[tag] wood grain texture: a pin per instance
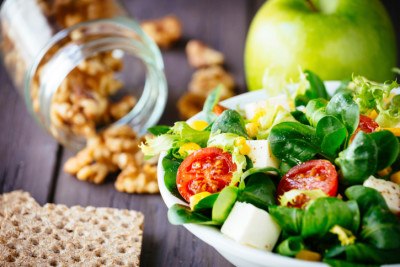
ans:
(27, 152)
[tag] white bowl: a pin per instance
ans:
(237, 254)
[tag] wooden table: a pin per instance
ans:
(31, 160)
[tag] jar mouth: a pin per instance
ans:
(117, 34)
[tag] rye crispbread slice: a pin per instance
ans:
(55, 235)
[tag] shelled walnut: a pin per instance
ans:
(206, 79)
(115, 149)
(200, 55)
(82, 102)
(164, 31)
(208, 75)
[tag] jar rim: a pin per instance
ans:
(151, 104)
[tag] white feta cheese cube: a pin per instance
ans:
(251, 226)
(389, 190)
(261, 154)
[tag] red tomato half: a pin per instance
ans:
(366, 124)
(313, 174)
(208, 169)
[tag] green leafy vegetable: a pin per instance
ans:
(381, 228)
(362, 253)
(211, 101)
(155, 145)
(185, 133)
(343, 263)
(322, 214)
(300, 117)
(315, 110)
(230, 121)
(388, 148)
(333, 135)
(359, 160)
(170, 166)
(260, 191)
(179, 134)
(206, 203)
(293, 142)
(180, 214)
(224, 204)
(290, 219)
(366, 197)
(315, 90)
(370, 96)
(291, 246)
(159, 129)
(343, 107)
(255, 170)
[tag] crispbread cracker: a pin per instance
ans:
(56, 235)
(16, 202)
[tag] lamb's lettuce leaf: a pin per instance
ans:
(230, 121)
(170, 165)
(180, 214)
(359, 160)
(290, 219)
(293, 142)
(260, 191)
(316, 89)
(360, 253)
(322, 214)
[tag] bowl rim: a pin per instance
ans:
(211, 234)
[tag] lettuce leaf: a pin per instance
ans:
(179, 134)
(371, 96)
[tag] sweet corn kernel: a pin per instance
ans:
(308, 255)
(395, 177)
(385, 171)
(395, 131)
(373, 115)
(244, 148)
(188, 148)
(252, 129)
(198, 125)
(258, 114)
(196, 198)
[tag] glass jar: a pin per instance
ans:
(82, 66)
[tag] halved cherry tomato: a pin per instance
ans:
(313, 174)
(366, 124)
(208, 169)
(218, 109)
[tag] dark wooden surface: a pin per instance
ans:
(32, 160)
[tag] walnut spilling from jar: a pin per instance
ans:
(164, 31)
(115, 149)
(82, 102)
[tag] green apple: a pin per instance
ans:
(333, 38)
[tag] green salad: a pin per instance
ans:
(303, 174)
